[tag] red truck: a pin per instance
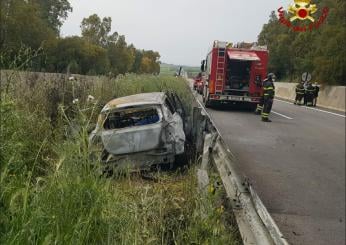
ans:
(234, 75)
(198, 83)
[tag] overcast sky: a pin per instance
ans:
(180, 30)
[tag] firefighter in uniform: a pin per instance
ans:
(310, 93)
(268, 96)
(317, 90)
(259, 107)
(300, 93)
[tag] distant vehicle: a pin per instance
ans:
(139, 131)
(198, 83)
(180, 72)
(234, 75)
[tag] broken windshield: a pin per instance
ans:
(132, 117)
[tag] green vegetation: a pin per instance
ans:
(168, 69)
(35, 25)
(192, 71)
(320, 51)
(50, 192)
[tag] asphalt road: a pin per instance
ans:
(296, 164)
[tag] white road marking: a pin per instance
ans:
(284, 101)
(332, 113)
(277, 113)
(314, 109)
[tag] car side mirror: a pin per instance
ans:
(203, 65)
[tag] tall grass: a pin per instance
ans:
(52, 194)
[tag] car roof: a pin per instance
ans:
(156, 98)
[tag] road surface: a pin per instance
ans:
(296, 164)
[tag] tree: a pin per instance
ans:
(137, 61)
(97, 32)
(150, 62)
(121, 56)
(21, 25)
(30, 25)
(54, 12)
(320, 51)
(78, 56)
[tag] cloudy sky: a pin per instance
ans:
(180, 30)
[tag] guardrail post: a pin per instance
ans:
(202, 172)
(199, 124)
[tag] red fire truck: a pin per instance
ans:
(198, 83)
(234, 75)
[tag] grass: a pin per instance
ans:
(51, 194)
(167, 69)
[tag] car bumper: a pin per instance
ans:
(234, 98)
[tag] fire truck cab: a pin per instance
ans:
(234, 74)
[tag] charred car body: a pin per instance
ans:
(139, 131)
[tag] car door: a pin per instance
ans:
(174, 127)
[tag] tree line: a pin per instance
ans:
(32, 27)
(320, 51)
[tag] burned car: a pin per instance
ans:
(139, 131)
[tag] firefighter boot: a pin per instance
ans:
(259, 109)
(266, 120)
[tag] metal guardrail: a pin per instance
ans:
(255, 224)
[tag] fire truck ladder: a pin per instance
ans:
(220, 70)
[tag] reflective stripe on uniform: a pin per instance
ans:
(259, 108)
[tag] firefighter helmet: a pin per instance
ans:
(271, 76)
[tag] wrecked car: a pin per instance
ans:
(139, 131)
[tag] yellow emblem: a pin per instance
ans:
(302, 9)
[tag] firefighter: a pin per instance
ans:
(259, 107)
(260, 103)
(305, 94)
(317, 90)
(268, 96)
(309, 92)
(300, 93)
